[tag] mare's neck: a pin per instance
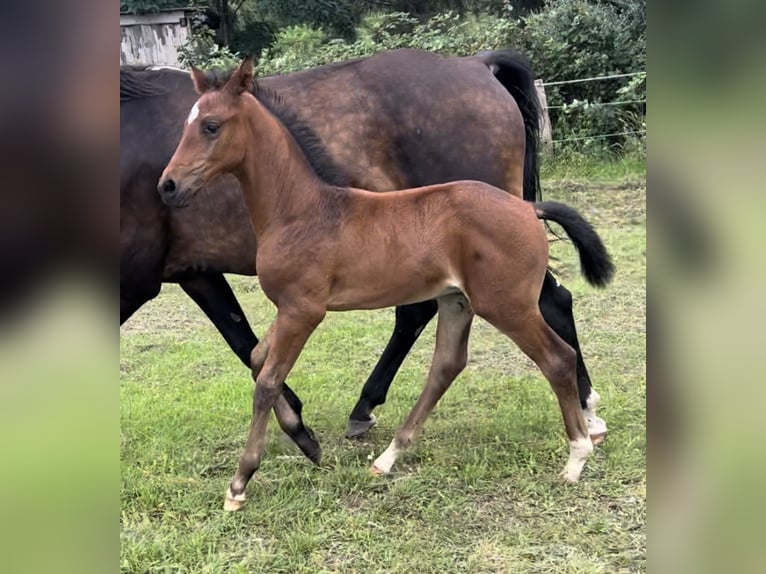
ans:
(277, 180)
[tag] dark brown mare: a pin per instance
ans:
(474, 248)
(399, 119)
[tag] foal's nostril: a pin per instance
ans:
(168, 186)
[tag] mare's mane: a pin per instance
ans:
(306, 138)
(136, 82)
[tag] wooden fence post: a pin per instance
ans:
(546, 135)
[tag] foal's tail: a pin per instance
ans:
(595, 262)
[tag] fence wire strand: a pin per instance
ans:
(599, 136)
(593, 79)
(596, 104)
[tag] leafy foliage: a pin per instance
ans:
(202, 50)
(336, 16)
(573, 39)
(567, 39)
(563, 39)
(301, 47)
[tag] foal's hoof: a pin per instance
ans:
(375, 471)
(233, 502)
(596, 428)
(597, 439)
(569, 476)
(358, 428)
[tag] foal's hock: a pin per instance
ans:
(474, 248)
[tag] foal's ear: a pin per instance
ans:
(242, 80)
(201, 83)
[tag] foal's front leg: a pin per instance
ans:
(270, 364)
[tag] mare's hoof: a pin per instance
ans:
(358, 428)
(309, 446)
(315, 456)
(232, 502)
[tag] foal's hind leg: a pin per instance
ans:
(410, 322)
(556, 307)
(557, 361)
(450, 357)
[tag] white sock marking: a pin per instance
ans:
(596, 425)
(386, 460)
(579, 450)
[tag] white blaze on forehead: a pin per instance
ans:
(193, 113)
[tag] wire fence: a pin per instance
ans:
(584, 105)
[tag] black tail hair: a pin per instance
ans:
(595, 262)
(513, 71)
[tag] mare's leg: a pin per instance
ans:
(135, 293)
(271, 364)
(410, 322)
(212, 293)
(128, 307)
(556, 307)
(450, 357)
(557, 360)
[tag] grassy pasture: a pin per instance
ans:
(479, 493)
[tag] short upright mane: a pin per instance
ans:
(137, 83)
(306, 138)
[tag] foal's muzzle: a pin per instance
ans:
(172, 193)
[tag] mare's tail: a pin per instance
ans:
(513, 72)
(595, 262)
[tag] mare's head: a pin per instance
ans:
(215, 135)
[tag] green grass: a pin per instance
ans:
(479, 492)
(603, 167)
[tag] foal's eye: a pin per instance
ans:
(210, 128)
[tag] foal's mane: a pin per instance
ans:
(306, 138)
(136, 83)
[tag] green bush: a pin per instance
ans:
(564, 40)
(302, 47)
(572, 39)
(202, 50)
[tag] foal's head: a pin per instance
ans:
(215, 135)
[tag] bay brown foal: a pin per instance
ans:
(473, 247)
